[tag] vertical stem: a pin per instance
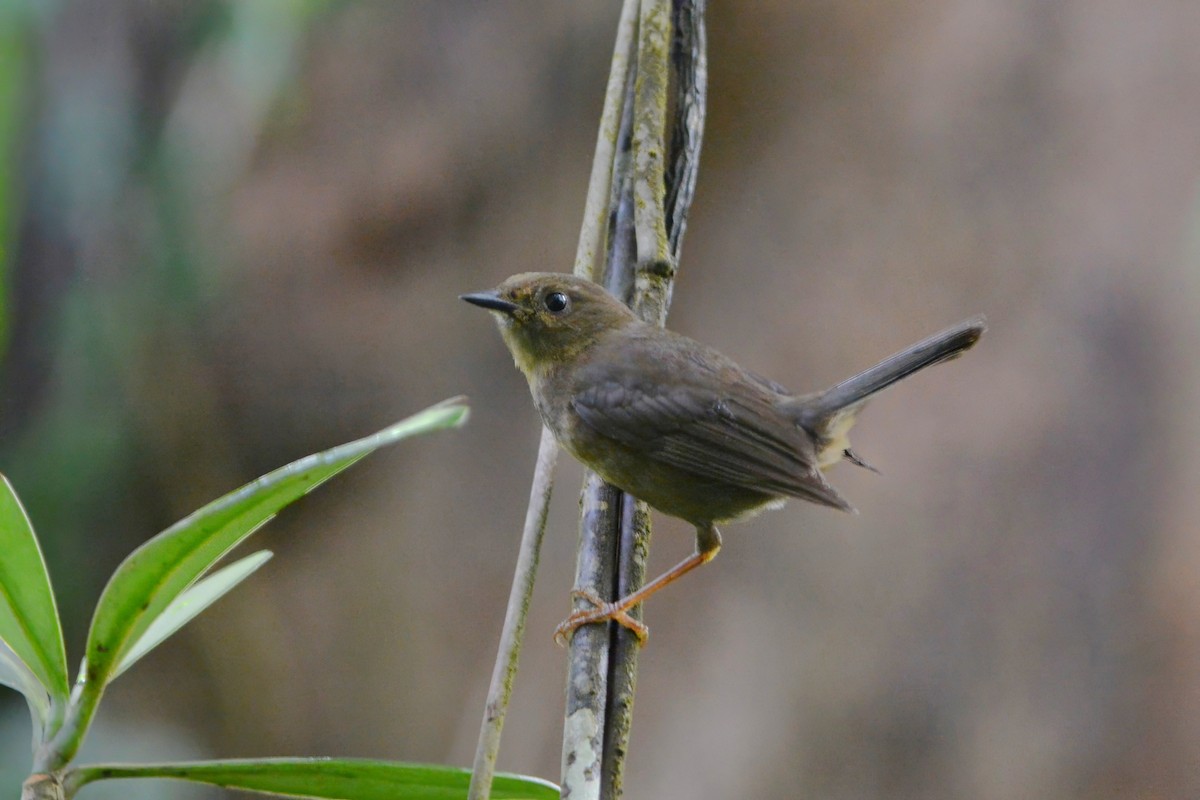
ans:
(646, 220)
(41, 786)
(595, 213)
(649, 124)
(590, 235)
(645, 188)
(505, 670)
(587, 676)
(586, 693)
(77, 719)
(651, 300)
(689, 54)
(623, 664)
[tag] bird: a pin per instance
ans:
(676, 423)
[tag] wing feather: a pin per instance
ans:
(737, 437)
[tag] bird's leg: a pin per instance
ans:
(568, 626)
(708, 544)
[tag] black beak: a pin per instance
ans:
(490, 301)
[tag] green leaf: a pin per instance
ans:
(327, 778)
(28, 619)
(156, 573)
(153, 576)
(14, 674)
(186, 606)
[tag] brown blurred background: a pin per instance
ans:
(232, 233)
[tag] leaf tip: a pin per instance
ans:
(457, 411)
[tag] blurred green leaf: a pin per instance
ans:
(153, 576)
(14, 674)
(28, 619)
(327, 778)
(186, 606)
(156, 573)
(16, 55)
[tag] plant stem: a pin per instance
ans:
(595, 212)
(647, 214)
(43, 786)
(505, 670)
(81, 708)
(689, 54)
(652, 300)
(649, 124)
(590, 236)
(586, 700)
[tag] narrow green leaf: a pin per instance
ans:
(327, 778)
(156, 573)
(195, 599)
(28, 618)
(14, 674)
(153, 576)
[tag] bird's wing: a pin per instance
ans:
(709, 431)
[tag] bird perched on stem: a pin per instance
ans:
(675, 423)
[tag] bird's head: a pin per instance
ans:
(548, 318)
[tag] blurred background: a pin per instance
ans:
(233, 233)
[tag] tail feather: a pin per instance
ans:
(828, 415)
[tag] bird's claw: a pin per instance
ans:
(601, 612)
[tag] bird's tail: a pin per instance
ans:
(828, 415)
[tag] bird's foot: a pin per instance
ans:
(602, 612)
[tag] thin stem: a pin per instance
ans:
(649, 124)
(587, 678)
(583, 728)
(639, 241)
(505, 670)
(77, 718)
(689, 54)
(42, 786)
(643, 244)
(590, 236)
(652, 300)
(645, 232)
(623, 664)
(595, 212)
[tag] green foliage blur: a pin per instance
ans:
(122, 173)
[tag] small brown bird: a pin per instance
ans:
(675, 423)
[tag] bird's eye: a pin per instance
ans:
(556, 302)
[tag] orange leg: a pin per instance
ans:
(708, 544)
